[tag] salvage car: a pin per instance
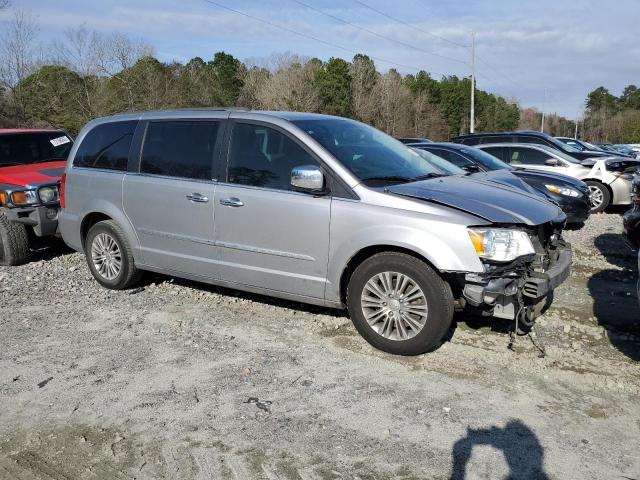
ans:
(31, 164)
(570, 194)
(631, 218)
(608, 178)
(313, 208)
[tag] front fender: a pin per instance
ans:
(446, 246)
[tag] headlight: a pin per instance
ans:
(500, 244)
(48, 194)
(566, 191)
(24, 197)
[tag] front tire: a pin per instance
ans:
(14, 242)
(399, 304)
(109, 256)
(600, 196)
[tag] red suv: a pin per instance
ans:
(31, 165)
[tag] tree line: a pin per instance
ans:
(85, 74)
(613, 119)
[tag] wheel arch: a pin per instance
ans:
(103, 212)
(367, 252)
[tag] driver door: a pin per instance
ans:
(268, 235)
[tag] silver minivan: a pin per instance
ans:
(312, 208)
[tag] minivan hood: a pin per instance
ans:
(487, 200)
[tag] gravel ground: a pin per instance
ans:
(183, 380)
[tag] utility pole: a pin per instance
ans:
(544, 106)
(472, 121)
(576, 134)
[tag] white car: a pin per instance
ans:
(609, 178)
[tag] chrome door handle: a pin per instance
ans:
(231, 202)
(196, 197)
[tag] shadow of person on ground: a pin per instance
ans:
(520, 446)
(614, 294)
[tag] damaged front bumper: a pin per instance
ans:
(43, 218)
(519, 291)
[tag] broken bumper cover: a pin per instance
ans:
(504, 294)
(43, 219)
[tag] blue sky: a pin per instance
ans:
(524, 47)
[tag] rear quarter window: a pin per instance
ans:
(106, 146)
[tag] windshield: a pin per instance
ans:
(440, 163)
(366, 152)
(488, 161)
(25, 148)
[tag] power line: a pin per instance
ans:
(379, 35)
(311, 37)
(411, 26)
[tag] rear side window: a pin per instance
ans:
(528, 156)
(530, 139)
(106, 146)
(500, 152)
(497, 139)
(180, 149)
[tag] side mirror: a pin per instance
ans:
(471, 168)
(552, 162)
(308, 178)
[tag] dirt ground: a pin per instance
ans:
(183, 380)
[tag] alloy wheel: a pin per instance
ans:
(596, 196)
(106, 256)
(394, 305)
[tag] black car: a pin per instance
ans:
(527, 136)
(572, 195)
(408, 140)
(631, 219)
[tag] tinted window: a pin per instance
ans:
(264, 157)
(457, 160)
(106, 146)
(179, 149)
(530, 139)
(497, 139)
(486, 160)
(528, 156)
(499, 152)
(21, 148)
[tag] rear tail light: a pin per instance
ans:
(63, 183)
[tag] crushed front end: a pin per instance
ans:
(520, 289)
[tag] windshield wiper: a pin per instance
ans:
(6, 164)
(392, 178)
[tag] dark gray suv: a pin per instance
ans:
(313, 208)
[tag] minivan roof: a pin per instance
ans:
(177, 112)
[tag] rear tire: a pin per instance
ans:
(600, 196)
(399, 304)
(14, 242)
(109, 256)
